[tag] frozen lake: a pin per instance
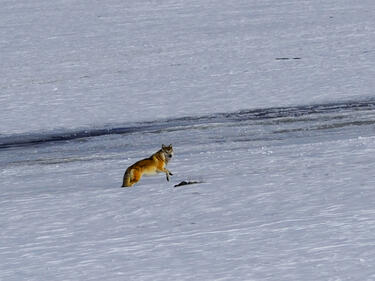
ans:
(269, 104)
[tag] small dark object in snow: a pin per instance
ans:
(296, 58)
(186, 183)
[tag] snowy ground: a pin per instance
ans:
(287, 191)
(67, 63)
(285, 198)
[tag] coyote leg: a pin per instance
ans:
(168, 173)
(136, 177)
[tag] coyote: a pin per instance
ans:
(156, 163)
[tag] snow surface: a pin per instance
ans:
(287, 191)
(68, 63)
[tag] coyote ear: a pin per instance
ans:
(163, 146)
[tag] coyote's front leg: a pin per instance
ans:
(168, 173)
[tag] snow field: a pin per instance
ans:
(262, 213)
(77, 64)
(286, 198)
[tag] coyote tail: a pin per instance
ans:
(127, 178)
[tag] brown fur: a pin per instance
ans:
(156, 163)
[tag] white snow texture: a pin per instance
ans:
(269, 104)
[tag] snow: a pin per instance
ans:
(284, 148)
(75, 64)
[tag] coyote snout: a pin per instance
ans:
(156, 163)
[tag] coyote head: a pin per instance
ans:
(167, 150)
